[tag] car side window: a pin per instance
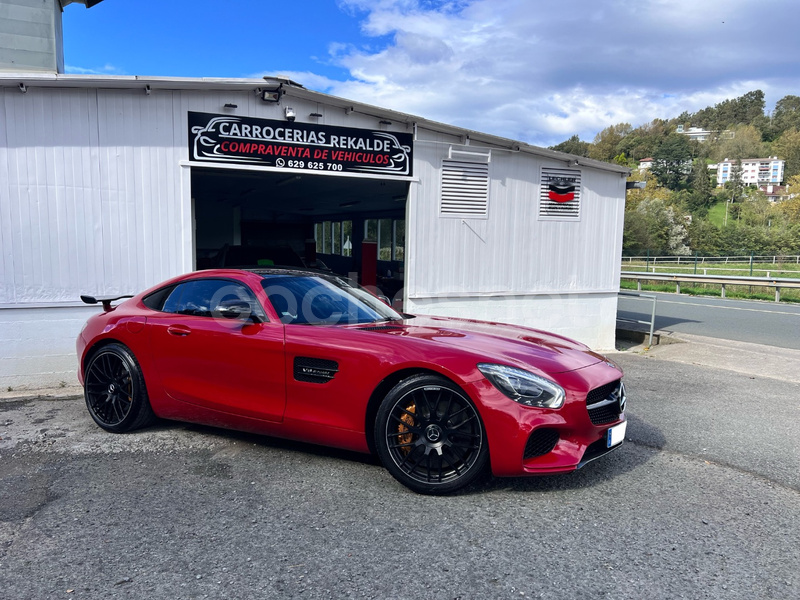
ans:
(209, 297)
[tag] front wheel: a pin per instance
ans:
(429, 436)
(114, 390)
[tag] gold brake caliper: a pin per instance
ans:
(406, 436)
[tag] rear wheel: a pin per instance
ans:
(429, 436)
(114, 390)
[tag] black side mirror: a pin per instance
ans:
(233, 308)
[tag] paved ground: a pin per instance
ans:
(703, 501)
(762, 322)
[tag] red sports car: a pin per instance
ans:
(311, 356)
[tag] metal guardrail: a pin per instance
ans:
(722, 280)
(651, 322)
(695, 258)
(703, 269)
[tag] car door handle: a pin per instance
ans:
(178, 330)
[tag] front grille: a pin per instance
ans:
(601, 393)
(604, 414)
(314, 370)
(606, 403)
(541, 442)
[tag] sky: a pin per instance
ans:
(538, 71)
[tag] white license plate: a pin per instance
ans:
(616, 434)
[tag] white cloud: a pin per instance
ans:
(543, 70)
(104, 70)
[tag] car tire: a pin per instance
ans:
(430, 437)
(114, 390)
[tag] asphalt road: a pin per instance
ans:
(702, 501)
(754, 321)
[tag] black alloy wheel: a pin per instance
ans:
(114, 390)
(429, 436)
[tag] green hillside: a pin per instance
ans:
(716, 214)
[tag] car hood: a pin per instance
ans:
(498, 342)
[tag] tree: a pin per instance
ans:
(790, 209)
(786, 115)
(651, 190)
(735, 185)
(654, 225)
(756, 209)
(621, 159)
(573, 145)
(704, 237)
(605, 143)
(743, 110)
(701, 197)
(643, 141)
(671, 161)
(787, 147)
(741, 141)
(635, 238)
(765, 127)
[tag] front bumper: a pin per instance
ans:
(534, 441)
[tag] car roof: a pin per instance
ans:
(292, 271)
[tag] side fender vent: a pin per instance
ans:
(314, 370)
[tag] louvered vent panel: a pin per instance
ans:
(465, 189)
(560, 184)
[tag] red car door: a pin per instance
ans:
(202, 357)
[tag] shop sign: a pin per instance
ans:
(560, 193)
(298, 146)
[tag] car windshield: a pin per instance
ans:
(308, 299)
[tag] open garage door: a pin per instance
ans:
(247, 218)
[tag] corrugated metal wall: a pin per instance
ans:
(511, 251)
(90, 200)
(31, 36)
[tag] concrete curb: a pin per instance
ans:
(59, 393)
(746, 358)
(639, 336)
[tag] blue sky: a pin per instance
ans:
(534, 70)
(201, 38)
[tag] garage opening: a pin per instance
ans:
(254, 218)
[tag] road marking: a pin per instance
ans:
(774, 312)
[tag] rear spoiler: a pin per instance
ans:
(106, 302)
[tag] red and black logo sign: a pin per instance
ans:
(561, 190)
(298, 146)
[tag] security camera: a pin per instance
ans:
(290, 114)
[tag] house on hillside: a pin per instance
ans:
(695, 133)
(755, 171)
(775, 193)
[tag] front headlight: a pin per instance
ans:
(524, 387)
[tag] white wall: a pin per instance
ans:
(562, 276)
(588, 318)
(90, 195)
(38, 346)
(92, 201)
